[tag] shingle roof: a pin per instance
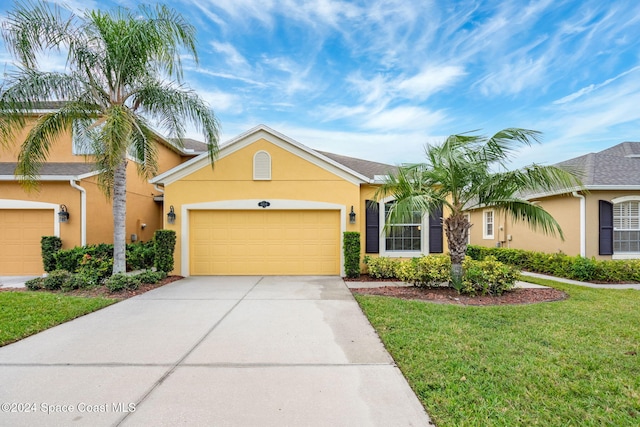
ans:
(198, 147)
(365, 167)
(53, 169)
(618, 165)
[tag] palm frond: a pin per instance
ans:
(33, 27)
(534, 215)
(171, 105)
(47, 128)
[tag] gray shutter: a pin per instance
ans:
(372, 225)
(435, 231)
(605, 236)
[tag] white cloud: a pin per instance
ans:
(234, 59)
(514, 78)
(429, 81)
(588, 89)
(404, 117)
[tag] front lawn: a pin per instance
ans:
(26, 313)
(569, 363)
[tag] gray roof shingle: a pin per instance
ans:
(617, 165)
(364, 167)
(53, 169)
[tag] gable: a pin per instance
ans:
(286, 165)
(290, 161)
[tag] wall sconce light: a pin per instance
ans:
(352, 216)
(143, 226)
(171, 216)
(63, 215)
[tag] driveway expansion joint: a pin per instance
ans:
(173, 368)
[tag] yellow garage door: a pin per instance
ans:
(20, 240)
(264, 242)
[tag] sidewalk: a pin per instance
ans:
(586, 284)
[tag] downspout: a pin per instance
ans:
(583, 223)
(83, 214)
(161, 190)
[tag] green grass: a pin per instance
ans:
(26, 313)
(568, 363)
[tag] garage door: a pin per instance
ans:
(264, 242)
(20, 240)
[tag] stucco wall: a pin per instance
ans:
(292, 178)
(564, 209)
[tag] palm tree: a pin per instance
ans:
(123, 72)
(459, 175)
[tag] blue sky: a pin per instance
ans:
(379, 79)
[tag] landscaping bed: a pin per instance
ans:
(451, 296)
(102, 291)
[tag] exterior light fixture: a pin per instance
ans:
(171, 216)
(63, 215)
(352, 216)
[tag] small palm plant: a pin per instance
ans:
(459, 175)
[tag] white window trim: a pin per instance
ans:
(255, 177)
(485, 235)
(424, 236)
(624, 255)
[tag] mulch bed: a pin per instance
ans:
(450, 296)
(102, 291)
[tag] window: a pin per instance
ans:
(626, 226)
(405, 236)
(488, 224)
(262, 166)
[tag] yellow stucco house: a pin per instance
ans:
(601, 222)
(271, 206)
(68, 182)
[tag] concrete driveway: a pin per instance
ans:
(219, 351)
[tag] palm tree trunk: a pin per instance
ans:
(457, 231)
(120, 217)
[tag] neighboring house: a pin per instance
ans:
(601, 222)
(274, 206)
(68, 181)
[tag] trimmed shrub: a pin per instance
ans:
(120, 282)
(56, 280)
(381, 267)
(432, 271)
(488, 277)
(76, 281)
(352, 254)
(93, 270)
(150, 277)
(562, 265)
(140, 255)
(72, 259)
(35, 284)
(49, 245)
(164, 245)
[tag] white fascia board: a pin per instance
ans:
(632, 187)
(248, 138)
(51, 177)
(40, 178)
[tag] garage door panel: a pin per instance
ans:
(264, 242)
(20, 252)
